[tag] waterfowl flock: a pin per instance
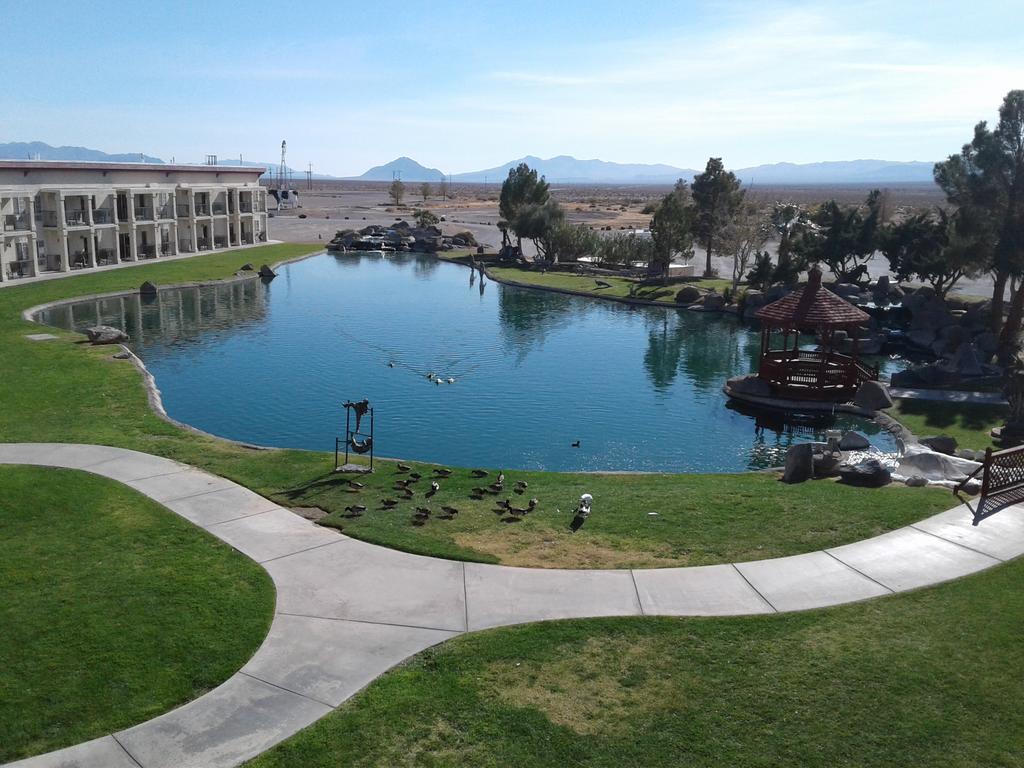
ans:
(404, 486)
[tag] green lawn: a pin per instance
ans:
(113, 609)
(620, 286)
(969, 424)
(68, 392)
(931, 678)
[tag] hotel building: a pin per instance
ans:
(64, 216)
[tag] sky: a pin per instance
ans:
(463, 86)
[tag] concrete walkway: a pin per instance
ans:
(348, 611)
(949, 396)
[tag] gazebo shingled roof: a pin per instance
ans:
(812, 307)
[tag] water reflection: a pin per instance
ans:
(639, 387)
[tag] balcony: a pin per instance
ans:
(77, 218)
(166, 249)
(184, 246)
(202, 209)
(17, 222)
(165, 211)
(219, 209)
(102, 216)
(147, 251)
(245, 207)
(143, 214)
(48, 218)
(182, 210)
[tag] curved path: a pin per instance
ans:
(348, 611)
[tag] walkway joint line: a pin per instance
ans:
(465, 594)
(292, 554)
(957, 543)
(639, 602)
(370, 621)
(251, 676)
(125, 750)
(886, 587)
(756, 590)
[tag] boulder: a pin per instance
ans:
(776, 292)
(967, 453)
(965, 361)
(247, 267)
(148, 289)
(749, 385)
(881, 286)
(916, 481)
(799, 463)
(922, 337)
(714, 301)
(873, 396)
(867, 474)
(854, 441)
(755, 298)
(688, 294)
(940, 443)
(267, 273)
(105, 334)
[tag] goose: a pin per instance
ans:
(479, 491)
(415, 477)
(440, 472)
(522, 484)
(434, 488)
(403, 467)
(501, 478)
(496, 487)
(518, 512)
(533, 504)
(390, 502)
(422, 512)
(355, 510)
(403, 483)
(479, 473)
(356, 485)
(408, 493)
(519, 491)
(503, 503)
(450, 510)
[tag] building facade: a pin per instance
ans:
(61, 216)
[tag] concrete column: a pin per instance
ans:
(92, 247)
(62, 234)
(192, 220)
(133, 242)
(89, 207)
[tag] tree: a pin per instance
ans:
(841, 237)
(986, 184)
(442, 188)
(567, 242)
(760, 275)
(397, 191)
(743, 237)
(425, 219)
(538, 222)
(927, 246)
(672, 229)
(425, 190)
(623, 248)
(522, 188)
(787, 219)
(716, 197)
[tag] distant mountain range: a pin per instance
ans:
(568, 170)
(37, 150)
(562, 169)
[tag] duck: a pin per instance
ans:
(403, 467)
(451, 379)
(356, 509)
(438, 381)
(576, 444)
(430, 375)
(391, 364)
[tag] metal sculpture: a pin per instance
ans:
(356, 440)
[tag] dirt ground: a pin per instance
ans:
(334, 205)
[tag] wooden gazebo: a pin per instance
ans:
(798, 374)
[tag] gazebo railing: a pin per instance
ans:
(812, 370)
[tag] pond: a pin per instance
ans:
(639, 388)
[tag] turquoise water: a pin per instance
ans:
(638, 387)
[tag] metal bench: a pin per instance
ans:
(1002, 482)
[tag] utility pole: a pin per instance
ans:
(309, 177)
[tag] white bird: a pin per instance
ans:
(451, 380)
(437, 380)
(430, 375)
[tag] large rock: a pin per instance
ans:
(755, 298)
(873, 396)
(148, 289)
(749, 385)
(267, 273)
(868, 474)
(105, 334)
(688, 294)
(940, 443)
(854, 441)
(965, 362)
(714, 301)
(799, 463)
